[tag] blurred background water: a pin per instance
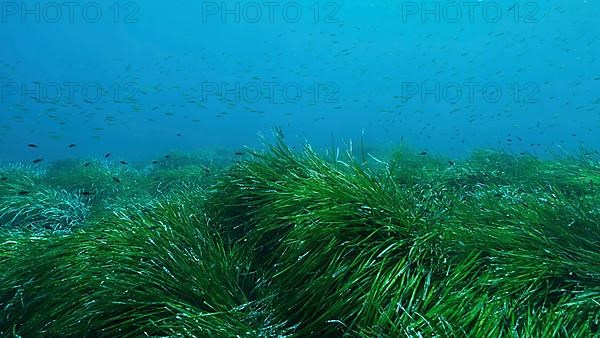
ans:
(142, 78)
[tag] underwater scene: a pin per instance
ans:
(333, 168)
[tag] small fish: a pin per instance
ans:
(239, 153)
(155, 108)
(116, 179)
(167, 156)
(38, 160)
(87, 164)
(72, 145)
(23, 193)
(32, 145)
(123, 162)
(451, 163)
(86, 193)
(4, 179)
(154, 162)
(423, 153)
(178, 134)
(107, 155)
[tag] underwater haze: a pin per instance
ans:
(446, 77)
(381, 168)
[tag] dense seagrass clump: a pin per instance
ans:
(27, 204)
(283, 243)
(458, 249)
(161, 271)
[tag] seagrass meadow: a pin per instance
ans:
(301, 243)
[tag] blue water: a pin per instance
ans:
(143, 78)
